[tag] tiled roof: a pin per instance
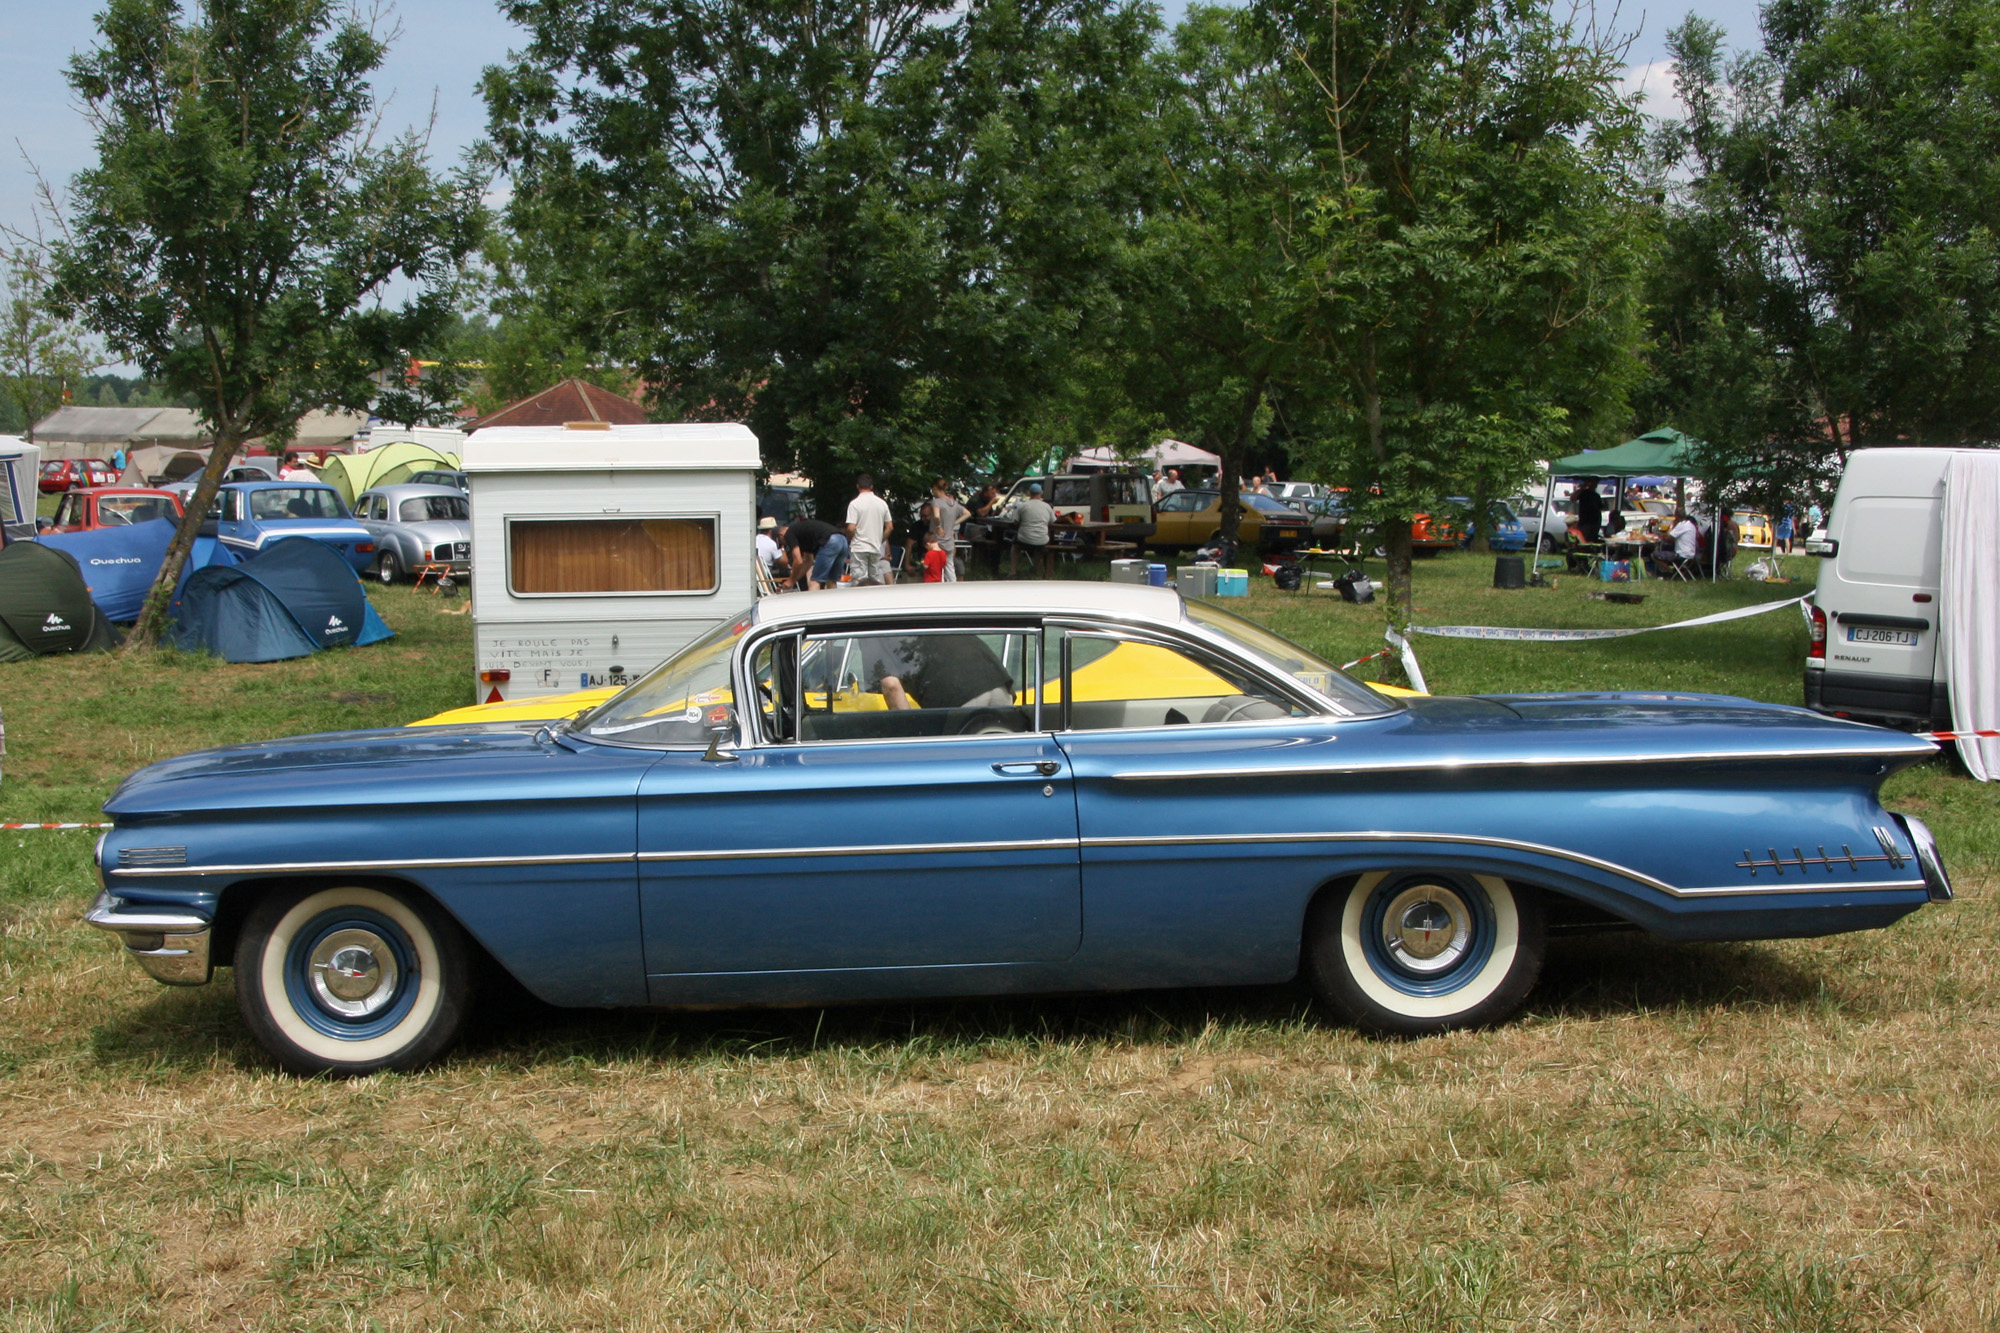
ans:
(571, 400)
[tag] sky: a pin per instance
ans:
(437, 60)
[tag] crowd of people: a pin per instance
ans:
(809, 553)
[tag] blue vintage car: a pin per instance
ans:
(247, 516)
(985, 788)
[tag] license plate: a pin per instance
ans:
(1866, 634)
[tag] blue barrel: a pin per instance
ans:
(1156, 575)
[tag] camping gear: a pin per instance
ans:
(1195, 580)
(351, 474)
(1128, 571)
(1156, 575)
(1288, 578)
(293, 598)
(45, 606)
(1510, 571)
(1615, 571)
(1232, 583)
(120, 564)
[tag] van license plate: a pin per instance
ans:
(1865, 634)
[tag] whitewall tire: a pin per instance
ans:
(1408, 953)
(351, 980)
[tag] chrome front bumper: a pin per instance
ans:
(172, 946)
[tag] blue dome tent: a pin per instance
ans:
(295, 597)
(120, 564)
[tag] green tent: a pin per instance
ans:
(1658, 453)
(45, 606)
(351, 474)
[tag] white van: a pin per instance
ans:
(1875, 613)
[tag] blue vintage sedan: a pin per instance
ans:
(247, 516)
(974, 789)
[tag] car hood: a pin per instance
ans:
(257, 775)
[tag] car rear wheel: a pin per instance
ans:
(351, 980)
(387, 568)
(1409, 953)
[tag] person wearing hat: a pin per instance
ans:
(769, 553)
(1031, 531)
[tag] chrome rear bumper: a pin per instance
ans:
(1936, 881)
(172, 946)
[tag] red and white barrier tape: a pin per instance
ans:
(1982, 734)
(12, 828)
(1359, 660)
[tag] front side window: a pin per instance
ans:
(1351, 698)
(1112, 683)
(677, 702)
(1185, 502)
(601, 556)
(915, 684)
(295, 502)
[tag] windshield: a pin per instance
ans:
(672, 705)
(1351, 698)
(435, 507)
(296, 502)
(1253, 500)
(117, 510)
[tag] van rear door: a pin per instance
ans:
(1879, 591)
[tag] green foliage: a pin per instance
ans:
(43, 354)
(1469, 257)
(241, 219)
(1831, 277)
(871, 234)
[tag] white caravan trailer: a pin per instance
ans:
(600, 550)
(20, 486)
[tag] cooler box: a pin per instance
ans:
(1156, 575)
(1196, 580)
(1232, 583)
(1128, 571)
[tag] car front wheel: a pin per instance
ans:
(386, 567)
(1406, 953)
(351, 980)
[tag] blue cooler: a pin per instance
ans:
(1156, 575)
(1232, 583)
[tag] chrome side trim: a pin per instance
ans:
(1545, 761)
(609, 858)
(1511, 844)
(415, 863)
(874, 849)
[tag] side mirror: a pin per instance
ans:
(719, 721)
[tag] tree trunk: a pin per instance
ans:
(1233, 452)
(1480, 518)
(1395, 533)
(153, 616)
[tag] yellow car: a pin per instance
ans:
(1129, 671)
(1754, 529)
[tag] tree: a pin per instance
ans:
(872, 232)
(1471, 257)
(1832, 274)
(43, 355)
(241, 218)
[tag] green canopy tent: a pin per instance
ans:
(351, 474)
(1664, 452)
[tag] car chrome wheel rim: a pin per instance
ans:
(1427, 934)
(351, 973)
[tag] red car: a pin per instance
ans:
(63, 474)
(113, 507)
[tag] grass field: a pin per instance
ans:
(1801, 1135)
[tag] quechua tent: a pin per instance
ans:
(351, 474)
(120, 564)
(45, 606)
(293, 598)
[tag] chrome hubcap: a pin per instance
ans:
(1427, 928)
(353, 973)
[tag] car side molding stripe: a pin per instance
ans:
(1510, 844)
(874, 849)
(1540, 761)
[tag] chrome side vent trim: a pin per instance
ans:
(152, 856)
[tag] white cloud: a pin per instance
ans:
(1653, 83)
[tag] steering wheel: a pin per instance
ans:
(991, 722)
(1241, 708)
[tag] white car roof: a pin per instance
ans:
(1124, 601)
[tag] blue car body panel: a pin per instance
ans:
(604, 874)
(244, 536)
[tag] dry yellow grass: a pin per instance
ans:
(1794, 1136)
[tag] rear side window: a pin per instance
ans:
(1071, 491)
(1124, 489)
(1890, 539)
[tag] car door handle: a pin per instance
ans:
(1045, 768)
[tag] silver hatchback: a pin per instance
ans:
(417, 527)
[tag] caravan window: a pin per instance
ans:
(604, 556)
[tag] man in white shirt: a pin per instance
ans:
(769, 554)
(868, 528)
(1170, 485)
(1031, 531)
(293, 470)
(1686, 539)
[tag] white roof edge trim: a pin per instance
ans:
(692, 446)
